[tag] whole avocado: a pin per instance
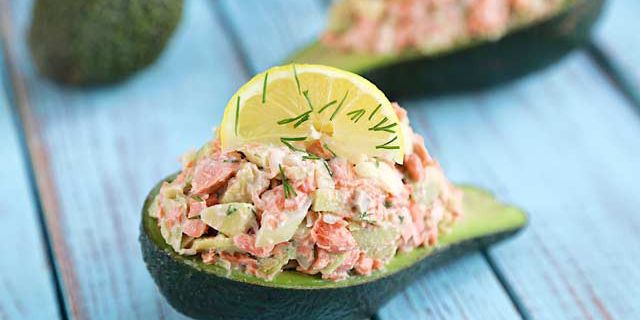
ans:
(99, 41)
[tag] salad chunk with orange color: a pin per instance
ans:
(257, 200)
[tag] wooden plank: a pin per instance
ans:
(101, 149)
(269, 31)
(26, 288)
(563, 145)
(464, 289)
(618, 37)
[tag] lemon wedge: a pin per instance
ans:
(299, 104)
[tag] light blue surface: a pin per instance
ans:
(109, 146)
(26, 290)
(620, 39)
(562, 144)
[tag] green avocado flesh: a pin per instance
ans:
(471, 64)
(206, 291)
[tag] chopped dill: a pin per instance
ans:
(288, 189)
(306, 97)
(380, 127)
(374, 111)
(386, 145)
(231, 209)
(287, 142)
(326, 166)
(335, 112)
(295, 75)
(327, 106)
(310, 156)
(264, 88)
(298, 118)
(197, 198)
(387, 203)
(324, 145)
(356, 115)
(237, 113)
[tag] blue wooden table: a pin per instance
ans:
(75, 165)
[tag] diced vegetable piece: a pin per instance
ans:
(267, 235)
(248, 180)
(383, 173)
(336, 261)
(154, 208)
(269, 267)
(219, 242)
(328, 200)
(427, 190)
(377, 241)
(230, 218)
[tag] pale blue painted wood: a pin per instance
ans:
(269, 31)
(563, 145)
(26, 287)
(464, 289)
(618, 36)
(108, 147)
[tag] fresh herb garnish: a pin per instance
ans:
(380, 127)
(326, 166)
(264, 88)
(287, 142)
(356, 115)
(365, 216)
(304, 115)
(196, 198)
(327, 106)
(401, 219)
(230, 160)
(386, 145)
(374, 111)
(335, 112)
(231, 209)
(324, 145)
(302, 120)
(306, 97)
(387, 203)
(310, 156)
(237, 113)
(288, 189)
(295, 75)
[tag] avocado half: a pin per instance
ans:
(469, 65)
(205, 291)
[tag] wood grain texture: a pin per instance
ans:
(619, 38)
(106, 147)
(463, 289)
(26, 288)
(563, 145)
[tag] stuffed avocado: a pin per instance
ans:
(430, 47)
(314, 190)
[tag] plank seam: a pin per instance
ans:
(9, 75)
(614, 74)
(506, 286)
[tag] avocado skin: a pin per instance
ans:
(202, 295)
(487, 63)
(99, 41)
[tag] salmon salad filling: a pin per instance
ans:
(263, 208)
(427, 26)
